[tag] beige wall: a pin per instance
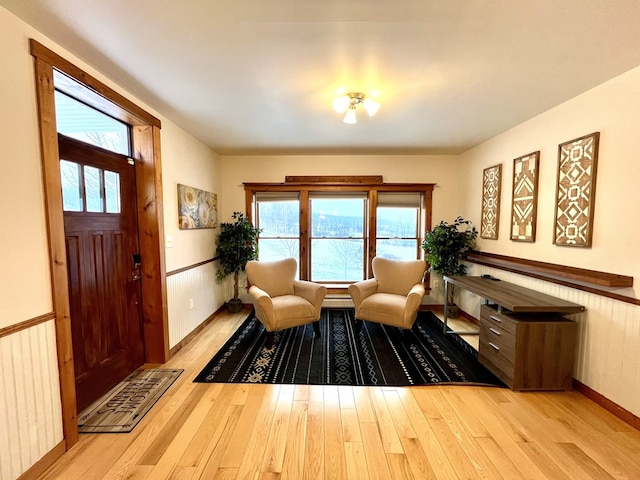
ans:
(192, 295)
(191, 163)
(613, 109)
(25, 290)
(442, 170)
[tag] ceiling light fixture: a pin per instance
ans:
(348, 103)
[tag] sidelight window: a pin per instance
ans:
(397, 232)
(279, 218)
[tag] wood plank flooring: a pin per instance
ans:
(300, 432)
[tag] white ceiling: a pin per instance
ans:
(259, 76)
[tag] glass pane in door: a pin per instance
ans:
(71, 179)
(112, 191)
(93, 189)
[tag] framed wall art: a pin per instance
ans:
(575, 192)
(196, 208)
(524, 199)
(491, 179)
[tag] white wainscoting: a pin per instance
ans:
(30, 408)
(608, 351)
(199, 285)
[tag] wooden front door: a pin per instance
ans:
(100, 222)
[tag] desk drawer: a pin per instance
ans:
(494, 359)
(500, 341)
(504, 322)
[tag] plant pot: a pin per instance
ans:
(234, 305)
(452, 311)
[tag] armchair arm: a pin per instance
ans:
(414, 299)
(314, 293)
(264, 307)
(361, 290)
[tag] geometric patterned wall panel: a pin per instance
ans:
(524, 201)
(575, 194)
(491, 179)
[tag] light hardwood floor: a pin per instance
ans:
(239, 431)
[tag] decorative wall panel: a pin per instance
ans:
(491, 180)
(524, 201)
(575, 193)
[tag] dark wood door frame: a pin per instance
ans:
(146, 151)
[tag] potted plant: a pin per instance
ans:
(237, 244)
(444, 247)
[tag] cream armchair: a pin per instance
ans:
(393, 296)
(280, 301)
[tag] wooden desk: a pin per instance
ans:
(512, 297)
(524, 340)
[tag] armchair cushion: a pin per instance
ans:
(382, 306)
(290, 309)
(393, 296)
(281, 301)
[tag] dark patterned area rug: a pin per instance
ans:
(377, 355)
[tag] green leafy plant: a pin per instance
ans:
(237, 244)
(446, 245)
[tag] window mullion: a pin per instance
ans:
(372, 205)
(305, 238)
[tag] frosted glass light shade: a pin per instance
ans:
(350, 116)
(371, 106)
(341, 104)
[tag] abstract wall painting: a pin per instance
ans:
(575, 193)
(491, 180)
(196, 208)
(524, 201)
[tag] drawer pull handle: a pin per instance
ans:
(495, 347)
(495, 319)
(494, 331)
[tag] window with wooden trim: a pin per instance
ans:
(278, 216)
(337, 239)
(398, 225)
(334, 229)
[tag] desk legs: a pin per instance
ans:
(446, 312)
(446, 305)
